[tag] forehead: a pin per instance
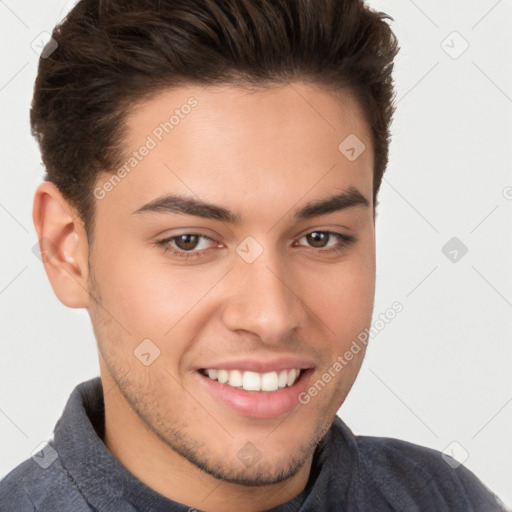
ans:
(258, 148)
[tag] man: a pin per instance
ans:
(212, 175)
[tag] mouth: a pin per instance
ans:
(254, 381)
(254, 394)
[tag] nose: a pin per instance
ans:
(263, 301)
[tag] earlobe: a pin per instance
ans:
(63, 245)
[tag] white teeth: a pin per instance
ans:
(222, 376)
(235, 378)
(253, 381)
(269, 381)
(283, 378)
(292, 374)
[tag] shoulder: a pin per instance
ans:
(13, 495)
(418, 474)
(407, 477)
(40, 486)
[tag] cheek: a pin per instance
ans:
(154, 299)
(343, 297)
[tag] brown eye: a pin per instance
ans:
(327, 242)
(318, 238)
(187, 242)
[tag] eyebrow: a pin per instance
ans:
(190, 206)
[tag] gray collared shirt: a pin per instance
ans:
(77, 473)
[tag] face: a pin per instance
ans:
(239, 246)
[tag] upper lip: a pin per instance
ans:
(260, 365)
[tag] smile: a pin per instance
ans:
(254, 381)
(253, 394)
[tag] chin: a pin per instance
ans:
(253, 474)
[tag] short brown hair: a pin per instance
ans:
(113, 53)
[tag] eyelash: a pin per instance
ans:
(343, 242)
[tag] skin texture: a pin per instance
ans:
(262, 155)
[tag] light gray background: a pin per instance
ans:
(440, 371)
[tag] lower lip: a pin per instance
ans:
(258, 404)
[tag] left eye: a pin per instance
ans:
(320, 239)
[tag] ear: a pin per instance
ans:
(63, 245)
